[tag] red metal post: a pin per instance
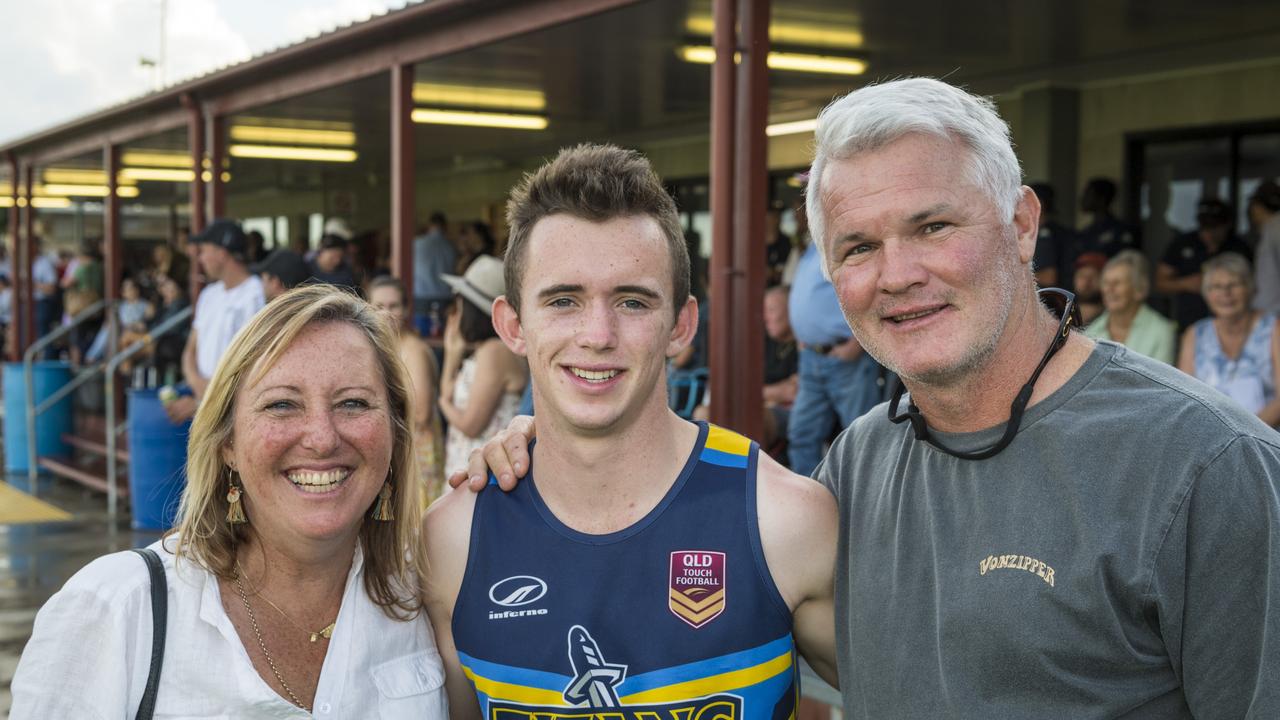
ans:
(195, 144)
(217, 155)
(112, 262)
(27, 300)
(750, 197)
(402, 176)
(15, 266)
(720, 348)
(112, 246)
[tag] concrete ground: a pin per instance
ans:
(37, 558)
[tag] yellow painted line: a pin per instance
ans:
(18, 507)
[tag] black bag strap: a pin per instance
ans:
(159, 621)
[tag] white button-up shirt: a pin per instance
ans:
(90, 654)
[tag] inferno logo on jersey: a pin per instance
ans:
(592, 694)
(697, 591)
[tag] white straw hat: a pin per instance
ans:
(481, 284)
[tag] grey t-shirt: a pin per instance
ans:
(1121, 559)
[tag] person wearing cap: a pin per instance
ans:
(1178, 273)
(281, 270)
(1264, 213)
(1105, 233)
(224, 306)
(1087, 281)
(330, 263)
(482, 380)
(1055, 242)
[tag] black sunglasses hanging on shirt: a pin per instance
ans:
(1070, 317)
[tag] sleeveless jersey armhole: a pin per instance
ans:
(753, 531)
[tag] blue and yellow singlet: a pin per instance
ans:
(673, 618)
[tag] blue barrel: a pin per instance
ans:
(47, 377)
(157, 461)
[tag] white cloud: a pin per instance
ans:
(60, 59)
(200, 39)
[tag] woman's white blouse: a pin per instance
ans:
(90, 651)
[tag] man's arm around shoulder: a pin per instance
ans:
(798, 530)
(446, 532)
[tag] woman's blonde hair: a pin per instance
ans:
(391, 549)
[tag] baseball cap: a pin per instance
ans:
(226, 234)
(1212, 211)
(481, 284)
(1095, 260)
(284, 264)
(331, 241)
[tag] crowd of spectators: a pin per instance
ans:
(1207, 306)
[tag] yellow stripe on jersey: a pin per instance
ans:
(724, 682)
(727, 441)
(514, 693)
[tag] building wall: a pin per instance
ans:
(1206, 96)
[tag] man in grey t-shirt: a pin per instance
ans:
(1111, 552)
(1118, 555)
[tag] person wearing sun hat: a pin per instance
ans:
(481, 381)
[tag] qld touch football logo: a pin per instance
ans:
(696, 593)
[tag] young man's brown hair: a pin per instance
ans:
(596, 183)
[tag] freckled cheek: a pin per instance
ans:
(372, 436)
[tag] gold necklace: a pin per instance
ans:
(263, 646)
(325, 632)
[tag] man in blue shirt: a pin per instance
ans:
(433, 254)
(838, 381)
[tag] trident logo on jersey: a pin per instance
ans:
(592, 694)
(697, 591)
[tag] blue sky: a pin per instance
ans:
(60, 59)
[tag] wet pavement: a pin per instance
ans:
(36, 559)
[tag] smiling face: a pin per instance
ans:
(596, 321)
(1118, 292)
(1226, 294)
(312, 438)
(925, 268)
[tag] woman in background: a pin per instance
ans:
(1128, 319)
(482, 381)
(1237, 349)
(387, 295)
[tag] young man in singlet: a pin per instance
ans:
(647, 566)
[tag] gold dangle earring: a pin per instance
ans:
(235, 509)
(382, 506)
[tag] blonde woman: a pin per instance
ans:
(291, 573)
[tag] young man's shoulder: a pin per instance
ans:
(446, 538)
(802, 508)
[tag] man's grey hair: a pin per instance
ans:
(875, 116)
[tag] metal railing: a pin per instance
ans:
(28, 359)
(110, 388)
